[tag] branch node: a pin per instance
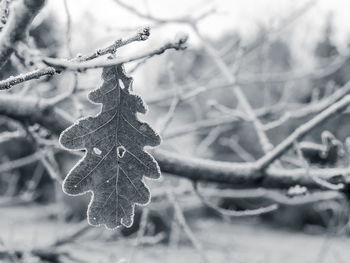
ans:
(144, 33)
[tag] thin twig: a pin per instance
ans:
(199, 126)
(311, 108)
(71, 65)
(35, 74)
(243, 101)
(237, 148)
(141, 35)
(210, 139)
(175, 102)
(235, 115)
(18, 163)
(140, 233)
(51, 170)
(273, 195)
(233, 213)
(301, 131)
(318, 180)
(8, 136)
(68, 29)
(49, 71)
(183, 224)
(78, 232)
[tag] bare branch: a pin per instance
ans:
(273, 195)
(36, 74)
(142, 35)
(296, 111)
(199, 125)
(175, 102)
(234, 213)
(21, 162)
(7, 136)
(50, 169)
(243, 174)
(81, 230)
(181, 220)
(71, 65)
(149, 17)
(294, 75)
(49, 71)
(247, 79)
(32, 109)
(237, 148)
(318, 180)
(310, 108)
(16, 29)
(238, 174)
(68, 29)
(301, 131)
(243, 101)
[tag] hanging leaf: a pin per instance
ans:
(114, 163)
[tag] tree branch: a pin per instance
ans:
(250, 174)
(301, 131)
(22, 15)
(72, 65)
(35, 74)
(142, 35)
(34, 110)
(49, 71)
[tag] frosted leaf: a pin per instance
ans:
(114, 163)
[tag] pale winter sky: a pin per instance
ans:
(246, 16)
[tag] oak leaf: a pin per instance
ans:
(115, 162)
